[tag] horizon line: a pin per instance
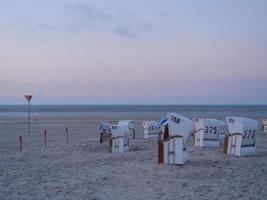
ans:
(81, 104)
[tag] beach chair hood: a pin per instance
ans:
(104, 126)
(127, 123)
(178, 125)
(240, 124)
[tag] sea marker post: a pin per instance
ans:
(29, 97)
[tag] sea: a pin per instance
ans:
(216, 111)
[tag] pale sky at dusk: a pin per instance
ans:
(133, 52)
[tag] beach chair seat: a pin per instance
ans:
(174, 150)
(117, 144)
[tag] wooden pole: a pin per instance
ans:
(29, 97)
(110, 145)
(45, 138)
(29, 118)
(225, 145)
(67, 134)
(20, 144)
(133, 133)
(160, 149)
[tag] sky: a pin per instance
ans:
(133, 52)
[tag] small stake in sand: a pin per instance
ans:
(133, 133)
(45, 138)
(20, 144)
(29, 97)
(67, 134)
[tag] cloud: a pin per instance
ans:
(135, 30)
(147, 26)
(122, 22)
(86, 13)
(125, 32)
(84, 17)
(75, 17)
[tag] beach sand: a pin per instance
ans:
(83, 169)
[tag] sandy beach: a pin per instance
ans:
(83, 168)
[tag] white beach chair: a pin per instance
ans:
(264, 126)
(176, 131)
(241, 140)
(208, 132)
(151, 129)
(119, 139)
(129, 124)
(105, 132)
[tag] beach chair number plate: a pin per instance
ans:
(211, 129)
(175, 120)
(249, 138)
(152, 128)
(211, 133)
(249, 134)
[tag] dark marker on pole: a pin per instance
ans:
(67, 133)
(20, 144)
(45, 138)
(29, 97)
